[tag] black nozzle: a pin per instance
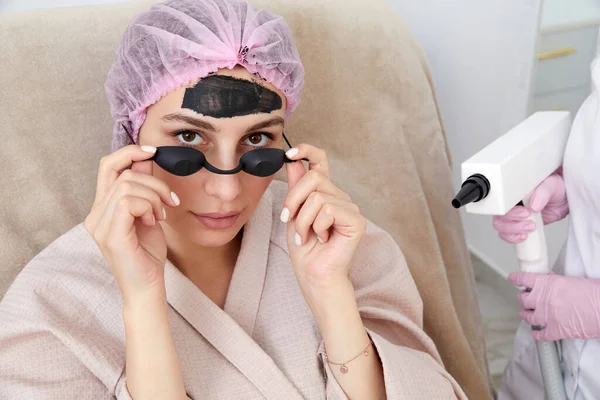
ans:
(475, 188)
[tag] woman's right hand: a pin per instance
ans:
(549, 198)
(123, 220)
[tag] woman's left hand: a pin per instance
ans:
(324, 226)
(564, 307)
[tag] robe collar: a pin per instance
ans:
(229, 330)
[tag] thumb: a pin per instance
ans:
(295, 172)
(523, 279)
(550, 191)
(144, 167)
(541, 196)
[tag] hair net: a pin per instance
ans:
(177, 42)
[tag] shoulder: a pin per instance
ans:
(68, 280)
(65, 307)
(378, 252)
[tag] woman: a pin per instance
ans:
(195, 275)
(563, 307)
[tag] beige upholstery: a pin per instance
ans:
(368, 101)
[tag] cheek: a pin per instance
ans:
(254, 187)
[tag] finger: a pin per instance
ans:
(527, 300)
(311, 182)
(524, 279)
(513, 238)
(161, 188)
(136, 189)
(513, 226)
(541, 195)
(128, 177)
(309, 211)
(122, 230)
(295, 171)
(317, 158)
(345, 219)
(127, 209)
(531, 317)
(143, 167)
(542, 335)
(517, 213)
(112, 165)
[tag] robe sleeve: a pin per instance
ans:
(392, 312)
(46, 350)
(121, 392)
(35, 364)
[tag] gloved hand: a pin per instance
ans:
(566, 307)
(550, 197)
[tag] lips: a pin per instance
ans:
(218, 220)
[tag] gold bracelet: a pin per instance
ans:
(343, 368)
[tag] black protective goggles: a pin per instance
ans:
(184, 161)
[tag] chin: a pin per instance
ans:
(208, 238)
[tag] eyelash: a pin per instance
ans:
(270, 136)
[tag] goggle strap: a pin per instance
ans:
(127, 132)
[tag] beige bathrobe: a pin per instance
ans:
(62, 337)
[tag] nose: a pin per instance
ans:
(226, 188)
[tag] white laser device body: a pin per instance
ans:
(514, 165)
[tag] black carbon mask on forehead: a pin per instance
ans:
(221, 96)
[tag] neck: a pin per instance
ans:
(209, 268)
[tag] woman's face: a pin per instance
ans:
(216, 116)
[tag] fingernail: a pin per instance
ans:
(297, 238)
(154, 219)
(176, 199)
(285, 214)
(320, 240)
(164, 214)
(291, 153)
(150, 149)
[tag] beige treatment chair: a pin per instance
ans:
(368, 101)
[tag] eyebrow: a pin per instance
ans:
(211, 128)
(198, 123)
(266, 124)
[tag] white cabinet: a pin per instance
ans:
(569, 99)
(566, 47)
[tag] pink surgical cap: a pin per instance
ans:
(177, 42)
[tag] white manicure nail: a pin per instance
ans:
(285, 215)
(320, 240)
(165, 212)
(176, 199)
(291, 153)
(298, 240)
(149, 149)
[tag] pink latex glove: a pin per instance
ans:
(550, 197)
(567, 307)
